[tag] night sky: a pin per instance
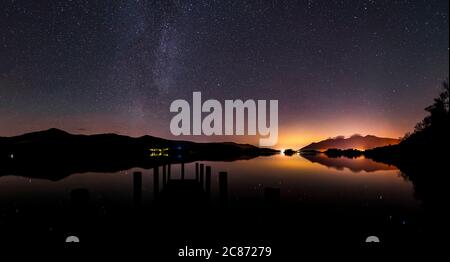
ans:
(336, 67)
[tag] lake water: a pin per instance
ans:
(365, 195)
(326, 181)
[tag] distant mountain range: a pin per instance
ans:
(355, 142)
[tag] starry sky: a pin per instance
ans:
(336, 67)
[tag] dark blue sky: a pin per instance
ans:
(336, 67)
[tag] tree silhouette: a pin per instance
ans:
(422, 155)
(438, 111)
(434, 128)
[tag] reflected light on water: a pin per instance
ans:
(319, 178)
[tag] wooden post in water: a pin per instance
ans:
(223, 188)
(196, 172)
(164, 177)
(202, 170)
(182, 171)
(156, 181)
(208, 181)
(168, 171)
(137, 188)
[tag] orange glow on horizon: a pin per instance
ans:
(298, 135)
(293, 135)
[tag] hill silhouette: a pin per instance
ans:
(54, 154)
(354, 142)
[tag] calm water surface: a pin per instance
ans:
(318, 180)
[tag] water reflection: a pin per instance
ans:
(290, 191)
(300, 179)
(354, 164)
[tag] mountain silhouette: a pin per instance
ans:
(353, 142)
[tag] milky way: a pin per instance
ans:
(336, 67)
